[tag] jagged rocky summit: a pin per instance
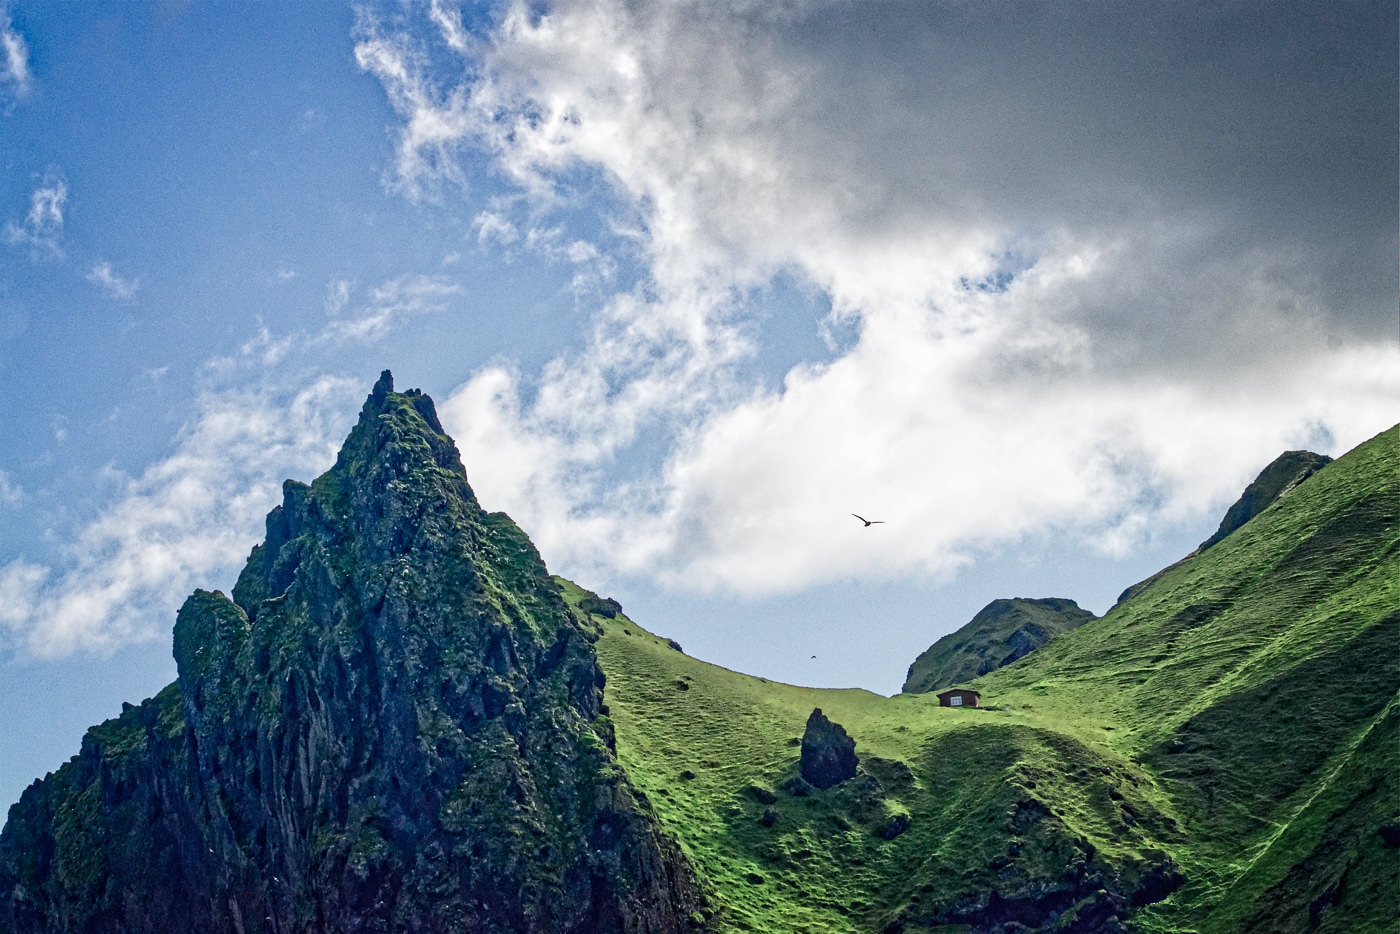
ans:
(394, 723)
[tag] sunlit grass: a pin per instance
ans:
(1232, 714)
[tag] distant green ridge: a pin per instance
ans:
(1004, 631)
(1280, 477)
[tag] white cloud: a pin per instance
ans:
(386, 307)
(756, 498)
(495, 226)
(338, 295)
(436, 120)
(42, 229)
(265, 347)
(19, 588)
(10, 492)
(104, 276)
(388, 304)
(14, 58)
(449, 22)
(1068, 319)
(188, 520)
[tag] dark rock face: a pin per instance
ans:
(603, 606)
(895, 826)
(760, 794)
(1089, 900)
(1157, 883)
(828, 754)
(798, 787)
(1287, 471)
(394, 724)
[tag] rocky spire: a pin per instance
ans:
(828, 754)
(393, 723)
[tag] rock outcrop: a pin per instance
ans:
(393, 723)
(828, 754)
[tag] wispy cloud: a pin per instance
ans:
(105, 277)
(338, 295)
(265, 347)
(10, 492)
(494, 226)
(186, 521)
(383, 309)
(14, 59)
(42, 228)
(436, 120)
(312, 120)
(387, 305)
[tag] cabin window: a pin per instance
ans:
(955, 701)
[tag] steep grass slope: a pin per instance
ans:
(1258, 682)
(1234, 719)
(1285, 472)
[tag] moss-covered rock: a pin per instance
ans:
(828, 753)
(393, 724)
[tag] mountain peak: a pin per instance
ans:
(396, 718)
(403, 413)
(1283, 474)
(382, 387)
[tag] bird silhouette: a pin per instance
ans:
(869, 522)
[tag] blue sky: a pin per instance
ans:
(1041, 285)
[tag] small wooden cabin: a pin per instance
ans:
(960, 697)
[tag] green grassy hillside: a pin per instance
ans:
(1236, 718)
(715, 752)
(1258, 681)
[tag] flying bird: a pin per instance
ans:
(869, 522)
